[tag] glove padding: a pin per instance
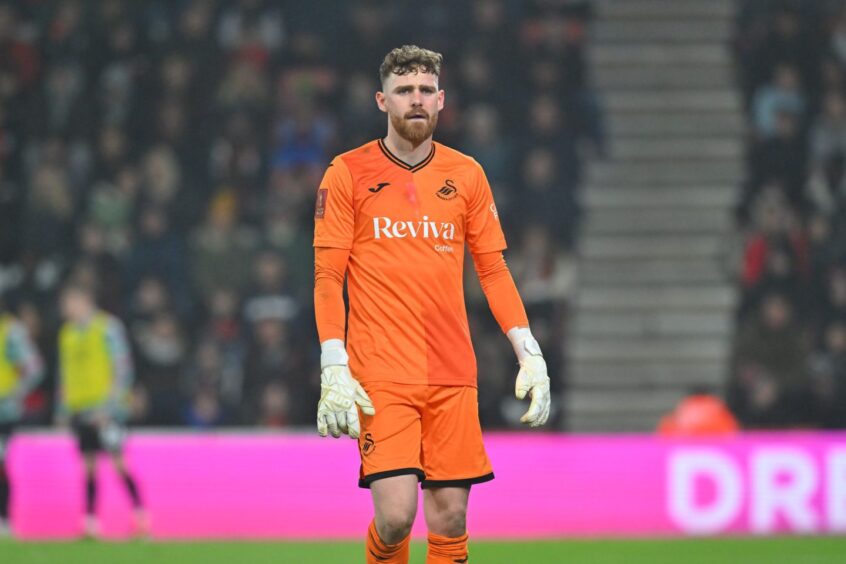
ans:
(339, 395)
(533, 379)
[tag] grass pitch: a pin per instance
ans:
(790, 550)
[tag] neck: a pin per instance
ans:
(405, 150)
(85, 319)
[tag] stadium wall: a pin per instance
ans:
(299, 486)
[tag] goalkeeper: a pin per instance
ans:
(392, 218)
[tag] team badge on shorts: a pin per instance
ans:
(320, 205)
(369, 445)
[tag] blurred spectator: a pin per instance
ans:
(270, 359)
(161, 352)
(204, 410)
(49, 215)
(781, 157)
(546, 199)
(829, 372)
(222, 250)
(781, 97)
(484, 140)
(828, 152)
(775, 254)
(698, 414)
(270, 296)
(769, 386)
(159, 252)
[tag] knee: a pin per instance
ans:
(450, 521)
(395, 525)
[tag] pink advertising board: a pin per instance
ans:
(299, 486)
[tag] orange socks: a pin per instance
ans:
(377, 552)
(446, 550)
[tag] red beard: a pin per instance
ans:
(414, 132)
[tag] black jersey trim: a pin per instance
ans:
(402, 164)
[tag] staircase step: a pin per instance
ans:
(626, 29)
(684, 220)
(649, 408)
(615, 77)
(688, 298)
(611, 422)
(651, 246)
(658, 54)
(617, 272)
(651, 323)
(659, 197)
(696, 100)
(726, 172)
(685, 147)
(583, 348)
(688, 125)
(648, 374)
(656, 9)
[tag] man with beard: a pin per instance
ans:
(393, 216)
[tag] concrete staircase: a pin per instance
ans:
(653, 309)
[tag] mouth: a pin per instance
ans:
(417, 117)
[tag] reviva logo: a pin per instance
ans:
(425, 229)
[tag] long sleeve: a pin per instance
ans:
(121, 361)
(500, 290)
(24, 355)
(330, 267)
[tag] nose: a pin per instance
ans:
(417, 98)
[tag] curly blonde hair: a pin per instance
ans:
(408, 59)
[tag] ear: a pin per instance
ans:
(440, 100)
(380, 101)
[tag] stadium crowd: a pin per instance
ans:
(789, 364)
(167, 155)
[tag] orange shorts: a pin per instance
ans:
(432, 432)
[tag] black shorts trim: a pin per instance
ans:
(463, 483)
(369, 479)
(87, 437)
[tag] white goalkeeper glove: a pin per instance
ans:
(532, 378)
(339, 393)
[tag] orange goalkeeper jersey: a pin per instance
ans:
(405, 227)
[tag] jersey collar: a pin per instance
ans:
(402, 164)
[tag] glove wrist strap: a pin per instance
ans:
(333, 353)
(523, 342)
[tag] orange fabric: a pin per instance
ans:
(330, 265)
(377, 552)
(500, 291)
(700, 414)
(406, 228)
(430, 428)
(446, 550)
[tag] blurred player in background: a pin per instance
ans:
(393, 217)
(21, 370)
(95, 376)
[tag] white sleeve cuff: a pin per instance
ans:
(333, 353)
(523, 342)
